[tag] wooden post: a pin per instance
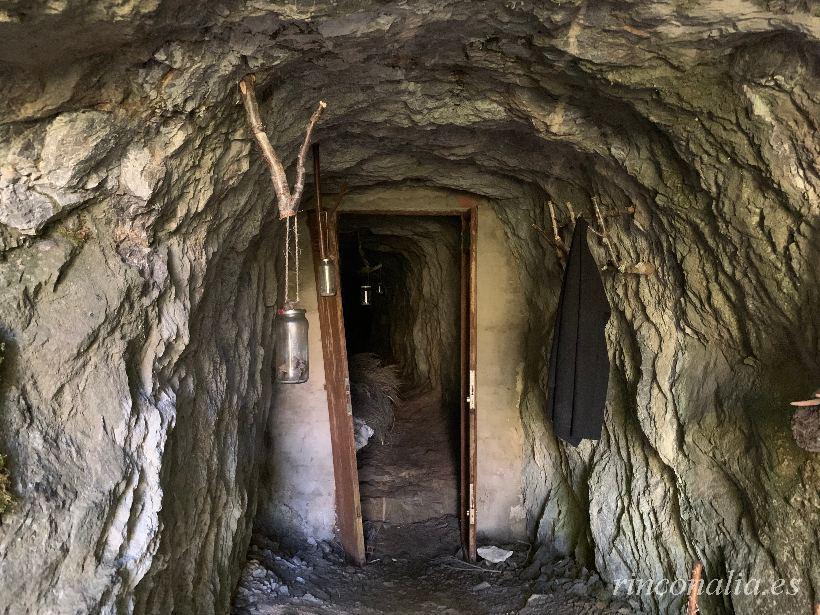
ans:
(337, 383)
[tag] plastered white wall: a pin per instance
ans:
(301, 493)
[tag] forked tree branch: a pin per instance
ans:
(287, 201)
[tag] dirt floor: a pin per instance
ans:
(414, 475)
(415, 565)
(415, 568)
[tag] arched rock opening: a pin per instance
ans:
(140, 267)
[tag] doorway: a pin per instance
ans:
(406, 315)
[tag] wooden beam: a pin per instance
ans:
(340, 410)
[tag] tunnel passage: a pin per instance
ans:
(142, 265)
(409, 330)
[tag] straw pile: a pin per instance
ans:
(374, 391)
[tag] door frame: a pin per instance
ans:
(339, 406)
(331, 322)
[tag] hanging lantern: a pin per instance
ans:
(379, 283)
(291, 357)
(327, 278)
(327, 269)
(366, 294)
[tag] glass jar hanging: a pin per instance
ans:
(366, 292)
(379, 282)
(291, 356)
(327, 277)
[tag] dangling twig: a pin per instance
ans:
(287, 201)
(572, 215)
(639, 268)
(555, 234)
(604, 235)
(561, 248)
(694, 589)
(808, 402)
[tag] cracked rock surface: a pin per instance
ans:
(138, 268)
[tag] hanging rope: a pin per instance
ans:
(296, 251)
(288, 304)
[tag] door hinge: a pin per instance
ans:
(471, 509)
(348, 400)
(471, 394)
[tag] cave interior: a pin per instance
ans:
(150, 462)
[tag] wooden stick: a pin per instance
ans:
(286, 201)
(817, 609)
(620, 212)
(807, 403)
(571, 212)
(543, 232)
(604, 234)
(559, 245)
(554, 224)
(697, 572)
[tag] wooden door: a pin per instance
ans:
(468, 383)
(340, 409)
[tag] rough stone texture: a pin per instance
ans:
(136, 248)
(135, 386)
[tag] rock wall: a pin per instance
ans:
(136, 243)
(138, 279)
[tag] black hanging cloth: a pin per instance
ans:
(579, 365)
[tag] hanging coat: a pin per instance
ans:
(579, 364)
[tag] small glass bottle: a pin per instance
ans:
(327, 278)
(366, 294)
(291, 356)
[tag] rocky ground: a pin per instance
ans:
(416, 568)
